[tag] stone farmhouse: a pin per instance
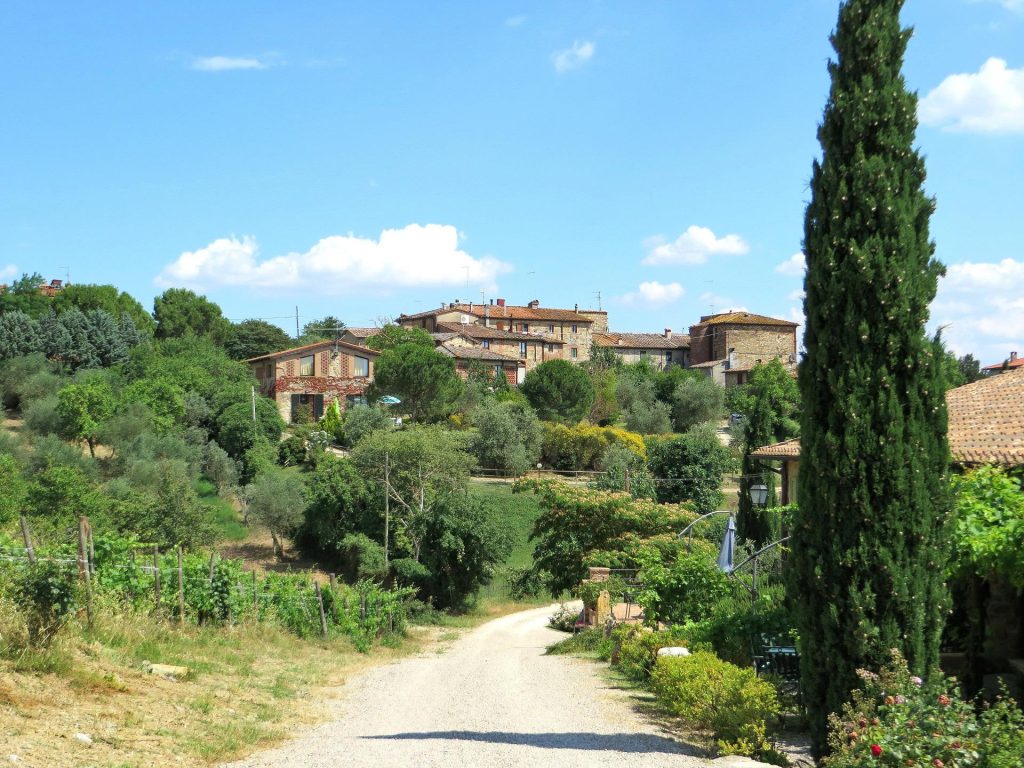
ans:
(1011, 363)
(573, 328)
(660, 350)
(728, 345)
(315, 374)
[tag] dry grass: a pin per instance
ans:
(249, 687)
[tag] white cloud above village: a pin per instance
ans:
(990, 101)
(412, 257)
(716, 304)
(8, 272)
(515, 21)
(228, 63)
(695, 246)
(653, 293)
(794, 266)
(573, 57)
(980, 306)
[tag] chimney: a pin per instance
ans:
(576, 308)
(492, 302)
(534, 304)
(668, 333)
(1013, 357)
(501, 302)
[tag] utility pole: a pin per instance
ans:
(296, 323)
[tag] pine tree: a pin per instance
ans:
(867, 554)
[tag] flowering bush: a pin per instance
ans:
(897, 720)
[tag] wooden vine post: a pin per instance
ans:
(28, 541)
(83, 564)
(156, 575)
(181, 590)
(320, 605)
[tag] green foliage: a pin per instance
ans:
(24, 296)
(606, 407)
(771, 406)
(339, 503)
(179, 312)
(164, 399)
(576, 523)
(276, 501)
(869, 548)
(46, 593)
(619, 463)
(13, 489)
(693, 464)
(421, 377)
(392, 336)
(637, 649)
(737, 623)
(27, 378)
(895, 719)
(564, 619)
(254, 338)
(117, 304)
(970, 369)
(684, 590)
(715, 695)
(19, 335)
(696, 401)
(362, 557)
(331, 422)
(169, 512)
(559, 391)
(236, 432)
(581, 446)
(361, 420)
(57, 495)
(508, 436)
(988, 527)
(219, 468)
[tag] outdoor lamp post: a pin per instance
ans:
(759, 495)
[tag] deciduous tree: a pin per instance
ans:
(559, 391)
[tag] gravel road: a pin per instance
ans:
(491, 699)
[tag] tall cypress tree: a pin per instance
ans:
(867, 554)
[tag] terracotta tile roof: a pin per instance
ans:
(507, 312)
(787, 449)
(483, 332)
(316, 345)
(641, 340)
(986, 420)
(744, 318)
(1009, 364)
(363, 333)
(474, 353)
(986, 423)
(709, 364)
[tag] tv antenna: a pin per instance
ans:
(598, 296)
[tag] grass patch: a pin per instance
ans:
(225, 519)
(521, 510)
(590, 643)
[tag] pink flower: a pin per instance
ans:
(938, 763)
(944, 701)
(917, 681)
(900, 700)
(876, 750)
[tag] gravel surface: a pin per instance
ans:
(491, 699)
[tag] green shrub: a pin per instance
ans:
(714, 695)
(638, 650)
(46, 593)
(589, 642)
(686, 590)
(737, 623)
(564, 619)
(525, 583)
(897, 720)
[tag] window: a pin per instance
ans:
(486, 343)
(526, 327)
(497, 372)
(306, 365)
(574, 352)
(574, 331)
(522, 349)
(551, 347)
(306, 408)
(361, 367)
(551, 327)
(668, 356)
(351, 400)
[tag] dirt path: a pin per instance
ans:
(492, 699)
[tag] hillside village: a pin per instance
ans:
(496, 533)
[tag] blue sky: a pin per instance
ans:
(368, 159)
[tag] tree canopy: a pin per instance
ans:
(559, 391)
(421, 377)
(180, 312)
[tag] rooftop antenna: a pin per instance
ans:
(598, 295)
(711, 295)
(67, 275)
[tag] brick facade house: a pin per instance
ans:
(315, 374)
(466, 355)
(573, 328)
(728, 345)
(660, 350)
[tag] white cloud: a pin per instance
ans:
(413, 256)
(1011, 5)
(694, 246)
(797, 295)
(981, 307)
(654, 293)
(227, 63)
(573, 57)
(988, 101)
(794, 266)
(515, 21)
(9, 272)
